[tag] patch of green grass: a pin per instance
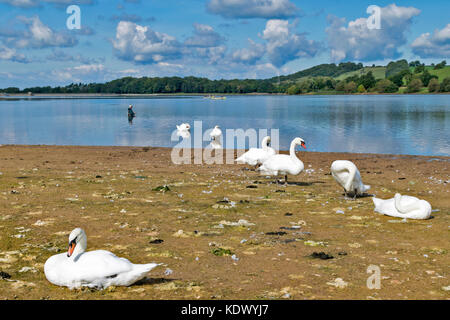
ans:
(441, 73)
(378, 73)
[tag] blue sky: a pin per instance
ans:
(210, 38)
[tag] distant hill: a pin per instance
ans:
(441, 73)
(323, 70)
(346, 77)
(378, 73)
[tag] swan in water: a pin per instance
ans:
(403, 207)
(216, 133)
(94, 269)
(347, 175)
(284, 164)
(256, 156)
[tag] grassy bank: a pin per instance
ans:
(45, 192)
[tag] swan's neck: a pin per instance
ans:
(80, 248)
(351, 177)
(265, 143)
(292, 151)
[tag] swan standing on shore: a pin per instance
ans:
(184, 127)
(347, 175)
(183, 130)
(94, 269)
(256, 156)
(216, 133)
(403, 207)
(284, 164)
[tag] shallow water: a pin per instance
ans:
(397, 124)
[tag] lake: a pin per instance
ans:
(392, 124)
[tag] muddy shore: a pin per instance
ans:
(226, 232)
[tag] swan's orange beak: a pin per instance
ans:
(71, 248)
(303, 145)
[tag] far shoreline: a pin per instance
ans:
(143, 95)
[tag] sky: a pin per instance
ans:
(210, 38)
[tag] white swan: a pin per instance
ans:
(95, 269)
(184, 127)
(284, 164)
(215, 144)
(403, 207)
(347, 175)
(185, 134)
(256, 156)
(216, 133)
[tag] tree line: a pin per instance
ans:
(400, 76)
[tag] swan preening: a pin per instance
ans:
(95, 269)
(216, 133)
(256, 156)
(282, 164)
(403, 207)
(347, 175)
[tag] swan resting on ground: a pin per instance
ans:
(94, 269)
(256, 156)
(403, 207)
(216, 133)
(284, 164)
(347, 175)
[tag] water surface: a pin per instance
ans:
(397, 124)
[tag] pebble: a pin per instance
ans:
(168, 272)
(338, 283)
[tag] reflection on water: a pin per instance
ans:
(410, 124)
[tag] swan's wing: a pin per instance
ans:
(406, 204)
(94, 265)
(344, 172)
(277, 162)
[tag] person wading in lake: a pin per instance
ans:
(131, 114)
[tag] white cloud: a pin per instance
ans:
(249, 55)
(61, 56)
(283, 45)
(204, 36)
(357, 42)
(36, 3)
(267, 9)
(436, 45)
(38, 35)
(142, 45)
(205, 45)
(11, 55)
(81, 73)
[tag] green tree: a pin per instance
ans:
(440, 65)
(293, 90)
(398, 78)
(386, 86)
(350, 87)
(426, 77)
(414, 86)
(433, 86)
(445, 85)
(340, 86)
(419, 69)
(361, 89)
(396, 67)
